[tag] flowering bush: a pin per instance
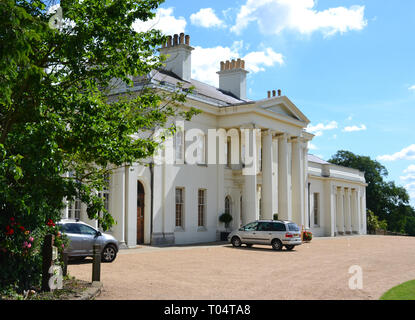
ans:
(21, 253)
(307, 235)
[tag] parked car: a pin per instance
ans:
(83, 237)
(277, 233)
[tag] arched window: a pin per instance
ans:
(228, 205)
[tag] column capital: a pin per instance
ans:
(282, 136)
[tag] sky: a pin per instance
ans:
(349, 65)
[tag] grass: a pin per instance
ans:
(72, 289)
(404, 291)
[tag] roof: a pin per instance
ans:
(200, 88)
(313, 158)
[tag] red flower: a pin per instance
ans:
(22, 228)
(50, 223)
(9, 231)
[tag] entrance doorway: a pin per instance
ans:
(140, 213)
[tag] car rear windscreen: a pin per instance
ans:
(293, 227)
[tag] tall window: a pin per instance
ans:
(105, 195)
(316, 208)
(179, 206)
(201, 207)
(74, 209)
(179, 146)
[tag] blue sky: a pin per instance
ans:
(349, 65)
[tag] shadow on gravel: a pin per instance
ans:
(263, 249)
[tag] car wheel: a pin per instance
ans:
(236, 242)
(109, 253)
(276, 244)
(289, 248)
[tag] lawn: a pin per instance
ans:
(404, 291)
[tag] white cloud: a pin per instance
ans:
(164, 21)
(206, 61)
(410, 169)
(412, 88)
(206, 18)
(319, 128)
(274, 16)
(258, 60)
(312, 146)
(407, 153)
(355, 128)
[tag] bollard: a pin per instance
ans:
(46, 261)
(96, 263)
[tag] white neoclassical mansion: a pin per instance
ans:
(251, 161)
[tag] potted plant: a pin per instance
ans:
(307, 235)
(275, 216)
(226, 218)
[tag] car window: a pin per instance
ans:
(251, 226)
(293, 227)
(71, 228)
(87, 230)
(265, 226)
(277, 226)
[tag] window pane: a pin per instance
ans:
(276, 226)
(86, 230)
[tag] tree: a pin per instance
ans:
(57, 114)
(386, 200)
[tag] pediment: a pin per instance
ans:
(283, 106)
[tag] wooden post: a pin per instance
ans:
(46, 261)
(96, 264)
(65, 264)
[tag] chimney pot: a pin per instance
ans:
(227, 65)
(279, 92)
(269, 94)
(169, 41)
(182, 38)
(243, 64)
(233, 63)
(187, 40)
(222, 66)
(175, 40)
(273, 93)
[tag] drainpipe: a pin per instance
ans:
(151, 205)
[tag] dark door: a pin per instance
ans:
(140, 213)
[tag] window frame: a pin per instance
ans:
(201, 207)
(181, 204)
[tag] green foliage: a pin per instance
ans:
(275, 216)
(387, 201)
(226, 218)
(58, 114)
(404, 291)
(373, 222)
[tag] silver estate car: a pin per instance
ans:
(277, 233)
(83, 237)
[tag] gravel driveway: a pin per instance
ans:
(315, 270)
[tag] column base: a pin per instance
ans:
(348, 232)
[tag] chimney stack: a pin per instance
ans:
(232, 78)
(178, 54)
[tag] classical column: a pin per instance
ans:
(267, 177)
(249, 172)
(283, 185)
(348, 211)
(339, 211)
(355, 212)
(117, 204)
(297, 183)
